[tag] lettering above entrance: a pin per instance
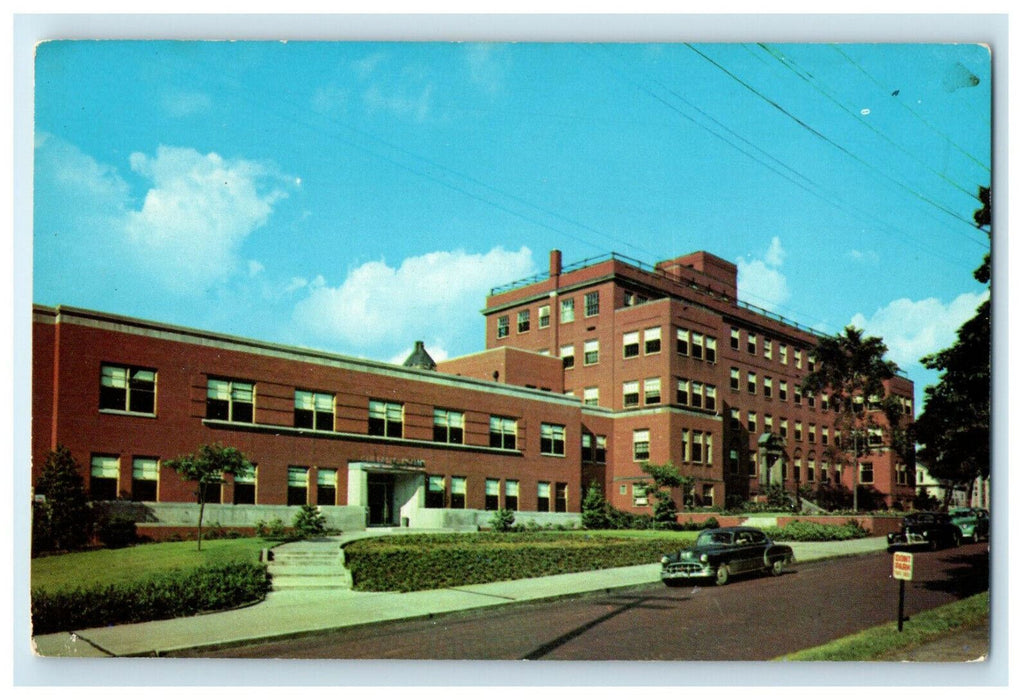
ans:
(389, 463)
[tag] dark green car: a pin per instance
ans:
(974, 523)
(724, 552)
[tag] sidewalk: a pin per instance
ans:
(290, 613)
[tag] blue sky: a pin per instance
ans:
(356, 197)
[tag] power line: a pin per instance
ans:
(807, 127)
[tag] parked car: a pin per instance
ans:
(924, 530)
(723, 552)
(974, 523)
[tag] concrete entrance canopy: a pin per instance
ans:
(390, 492)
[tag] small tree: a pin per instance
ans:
(595, 509)
(64, 519)
(664, 477)
(308, 522)
(206, 466)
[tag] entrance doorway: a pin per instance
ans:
(380, 500)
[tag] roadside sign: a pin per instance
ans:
(903, 565)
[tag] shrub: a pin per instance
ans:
(64, 520)
(309, 522)
(798, 531)
(175, 594)
(273, 529)
(595, 509)
(502, 520)
(117, 531)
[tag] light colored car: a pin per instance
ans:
(724, 552)
(974, 523)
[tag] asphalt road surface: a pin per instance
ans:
(752, 618)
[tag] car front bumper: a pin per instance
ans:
(684, 570)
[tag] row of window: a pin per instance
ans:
(523, 321)
(688, 392)
(689, 499)
(697, 446)
(441, 492)
(873, 436)
(105, 471)
(133, 390)
(736, 340)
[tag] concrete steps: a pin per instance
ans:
(309, 564)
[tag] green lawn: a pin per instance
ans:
(105, 566)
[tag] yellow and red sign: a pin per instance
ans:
(903, 565)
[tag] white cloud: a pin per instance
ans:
(411, 103)
(869, 256)
(381, 309)
(914, 329)
(759, 282)
(197, 213)
(186, 104)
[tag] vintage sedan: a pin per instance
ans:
(724, 552)
(926, 530)
(974, 523)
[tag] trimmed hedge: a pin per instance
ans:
(798, 531)
(418, 562)
(176, 594)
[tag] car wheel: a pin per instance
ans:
(777, 567)
(722, 575)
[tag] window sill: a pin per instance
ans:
(116, 412)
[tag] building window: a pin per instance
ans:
(825, 435)
(682, 341)
(630, 394)
(875, 437)
(503, 432)
(544, 316)
(710, 350)
(752, 459)
(734, 378)
(734, 418)
(639, 495)
(144, 479)
(810, 363)
(492, 494)
(326, 483)
(811, 432)
(587, 447)
(768, 387)
(503, 330)
(385, 418)
(552, 439)
(797, 466)
(751, 343)
(631, 344)
(313, 410)
(752, 421)
(652, 391)
(296, 486)
(561, 498)
(130, 389)
(447, 426)
(784, 428)
(523, 321)
(682, 392)
(640, 445)
(510, 494)
(244, 488)
(825, 471)
(783, 354)
(696, 346)
(783, 390)
(768, 423)
(458, 490)
(867, 473)
(798, 358)
(768, 349)
(591, 352)
(600, 449)
(796, 394)
(592, 303)
(734, 338)
(696, 395)
(651, 341)
(811, 467)
(543, 496)
(710, 398)
(591, 396)
(798, 431)
(230, 400)
(103, 477)
(435, 491)
(825, 401)
(567, 356)
(708, 497)
(567, 310)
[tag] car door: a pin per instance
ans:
(749, 553)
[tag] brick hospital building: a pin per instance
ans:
(589, 372)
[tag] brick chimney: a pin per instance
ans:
(555, 263)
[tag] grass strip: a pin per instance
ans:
(881, 642)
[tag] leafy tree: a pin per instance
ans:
(64, 520)
(954, 428)
(207, 466)
(308, 522)
(852, 369)
(502, 520)
(664, 477)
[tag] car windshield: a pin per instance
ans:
(708, 539)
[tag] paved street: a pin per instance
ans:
(750, 619)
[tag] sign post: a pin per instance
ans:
(903, 567)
